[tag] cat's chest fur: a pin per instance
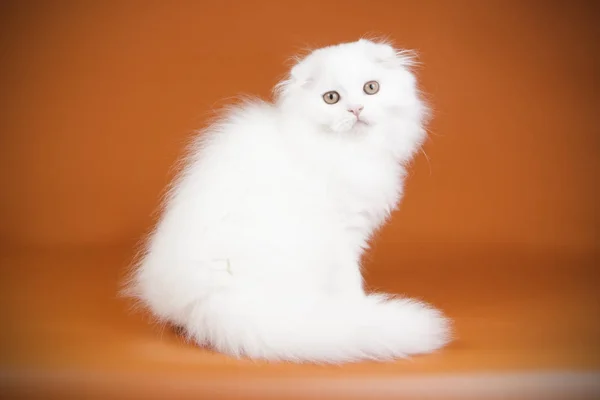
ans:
(356, 179)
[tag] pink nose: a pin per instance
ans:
(355, 110)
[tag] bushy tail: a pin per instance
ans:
(328, 331)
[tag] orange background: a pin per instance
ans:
(499, 227)
(98, 99)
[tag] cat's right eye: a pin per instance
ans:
(331, 97)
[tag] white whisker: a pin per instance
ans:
(428, 160)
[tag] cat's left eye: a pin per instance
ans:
(371, 87)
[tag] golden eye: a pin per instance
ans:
(331, 97)
(371, 87)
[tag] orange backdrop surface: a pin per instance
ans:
(99, 97)
(499, 227)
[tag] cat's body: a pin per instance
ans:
(258, 250)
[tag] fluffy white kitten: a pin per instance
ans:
(258, 250)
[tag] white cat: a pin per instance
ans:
(258, 250)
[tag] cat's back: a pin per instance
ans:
(238, 148)
(241, 126)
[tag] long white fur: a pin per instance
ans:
(257, 251)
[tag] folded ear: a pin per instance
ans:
(300, 76)
(301, 73)
(387, 55)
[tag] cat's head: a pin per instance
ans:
(351, 86)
